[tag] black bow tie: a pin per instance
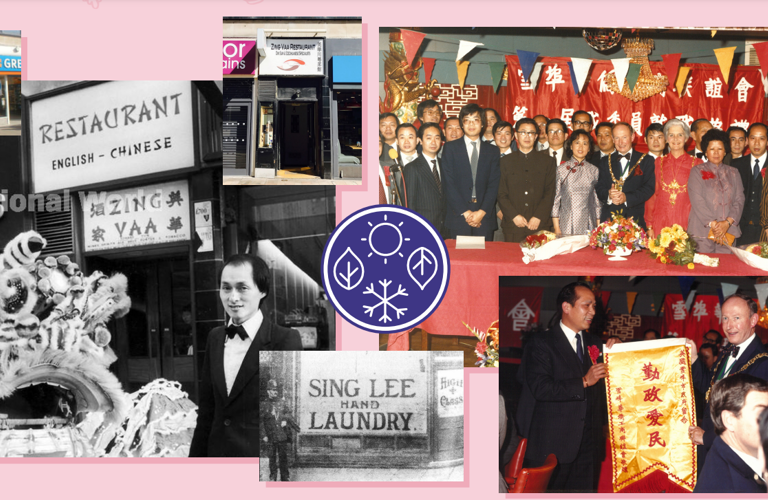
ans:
(699, 155)
(626, 156)
(731, 350)
(238, 330)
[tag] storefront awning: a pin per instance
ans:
(347, 69)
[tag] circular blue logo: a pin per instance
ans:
(385, 269)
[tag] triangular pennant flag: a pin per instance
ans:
(725, 60)
(527, 61)
(574, 83)
(580, 67)
(633, 73)
(685, 284)
(429, 65)
(605, 296)
(461, 69)
(465, 48)
(631, 296)
(535, 74)
(411, 43)
(682, 76)
(713, 33)
(620, 68)
(658, 300)
(671, 65)
(761, 49)
(497, 73)
(720, 295)
(689, 300)
(728, 289)
(762, 294)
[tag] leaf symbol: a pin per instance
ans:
(425, 269)
(348, 270)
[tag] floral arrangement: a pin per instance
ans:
(537, 239)
(487, 349)
(617, 233)
(759, 249)
(673, 246)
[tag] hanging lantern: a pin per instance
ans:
(647, 84)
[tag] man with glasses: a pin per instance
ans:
(557, 133)
(582, 120)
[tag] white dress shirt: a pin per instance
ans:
(753, 462)
(409, 158)
(468, 143)
(236, 348)
(383, 180)
(571, 336)
(506, 152)
(742, 347)
(558, 155)
(696, 152)
(761, 163)
(432, 166)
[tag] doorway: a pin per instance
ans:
(297, 142)
(156, 338)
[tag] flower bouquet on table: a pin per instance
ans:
(618, 237)
(755, 255)
(487, 349)
(544, 245)
(674, 246)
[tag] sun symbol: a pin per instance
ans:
(389, 239)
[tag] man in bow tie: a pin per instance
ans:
(626, 179)
(228, 412)
(744, 353)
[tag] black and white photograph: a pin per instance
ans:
(137, 291)
(362, 416)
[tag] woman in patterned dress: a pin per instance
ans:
(576, 209)
(670, 203)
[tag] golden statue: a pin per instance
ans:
(401, 82)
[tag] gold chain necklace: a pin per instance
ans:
(620, 184)
(673, 188)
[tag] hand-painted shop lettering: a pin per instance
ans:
(446, 383)
(377, 421)
(447, 402)
(72, 161)
(135, 228)
(391, 390)
(111, 118)
(359, 405)
(329, 388)
(140, 147)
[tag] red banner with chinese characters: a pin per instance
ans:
(706, 96)
(703, 316)
(519, 307)
(650, 406)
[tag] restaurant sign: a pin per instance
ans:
(147, 215)
(110, 131)
(363, 393)
(292, 57)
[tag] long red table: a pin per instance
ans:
(473, 292)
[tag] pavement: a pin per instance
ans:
(13, 129)
(306, 474)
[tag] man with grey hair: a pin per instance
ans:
(626, 179)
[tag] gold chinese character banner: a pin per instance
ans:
(650, 406)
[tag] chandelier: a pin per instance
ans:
(647, 84)
(602, 38)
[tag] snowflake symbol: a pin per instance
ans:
(385, 301)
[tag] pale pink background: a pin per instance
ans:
(166, 39)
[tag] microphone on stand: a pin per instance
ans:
(397, 198)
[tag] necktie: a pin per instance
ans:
(473, 165)
(238, 330)
(437, 175)
(699, 155)
(756, 169)
(554, 154)
(579, 349)
(626, 156)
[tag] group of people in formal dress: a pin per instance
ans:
(562, 408)
(478, 175)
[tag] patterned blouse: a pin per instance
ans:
(576, 203)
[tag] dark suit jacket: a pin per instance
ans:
(527, 188)
(744, 165)
(555, 408)
(272, 425)
(457, 183)
(702, 379)
(228, 425)
(725, 472)
(422, 192)
(637, 187)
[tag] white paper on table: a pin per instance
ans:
(558, 246)
(750, 259)
(470, 242)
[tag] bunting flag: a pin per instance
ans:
(633, 73)
(713, 33)
(411, 43)
(761, 49)
(671, 65)
(605, 296)
(461, 69)
(620, 68)
(527, 62)
(728, 289)
(658, 301)
(720, 295)
(465, 48)
(580, 68)
(535, 74)
(685, 284)
(689, 300)
(631, 296)
(682, 76)
(574, 83)
(762, 294)
(497, 73)
(429, 65)
(724, 60)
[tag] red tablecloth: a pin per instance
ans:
(473, 292)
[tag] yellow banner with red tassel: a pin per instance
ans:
(650, 406)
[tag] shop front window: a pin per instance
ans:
(266, 132)
(350, 126)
